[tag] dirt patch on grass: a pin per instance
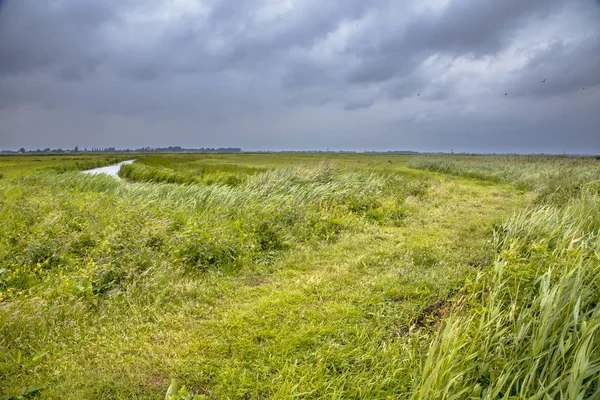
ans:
(253, 281)
(431, 316)
(157, 381)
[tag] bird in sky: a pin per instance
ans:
(544, 80)
(505, 94)
(419, 94)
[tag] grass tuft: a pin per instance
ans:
(532, 326)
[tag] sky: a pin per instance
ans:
(424, 75)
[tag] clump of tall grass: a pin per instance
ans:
(205, 174)
(531, 324)
(89, 163)
(143, 173)
(199, 164)
(301, 186)
(118, 230)
(552, 178)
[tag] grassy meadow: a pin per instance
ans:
(276, 276)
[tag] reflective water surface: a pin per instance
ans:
(112, 170)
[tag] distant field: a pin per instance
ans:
(269, 276)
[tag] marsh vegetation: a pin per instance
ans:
(295, 275)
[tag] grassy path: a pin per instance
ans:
(324, 322)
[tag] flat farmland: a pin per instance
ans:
(298, 275)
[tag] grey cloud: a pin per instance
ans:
(63, 34)
(244, 43)
(462, 27)
(252, 40)
(301, 74)
(564, 67)
(310, 97)
(253, 61)
(357, 105)
(404, 87)
(384, 67)
(473, 27)
(436, 93)
(142, 72)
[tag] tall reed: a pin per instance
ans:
(531, 325)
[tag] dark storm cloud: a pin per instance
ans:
(564, 67)
(61, 34)
(252, 40)
(462, 27)
(472, 26)
(233, 36)
(405, 87)
(357, 105)
(236, 70)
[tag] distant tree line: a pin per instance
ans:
(179, 149)
(340, 151)
(170, 149)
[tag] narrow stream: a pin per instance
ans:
(112, 170)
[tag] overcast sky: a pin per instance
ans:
(425, 75)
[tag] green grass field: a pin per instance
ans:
(272, 276)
